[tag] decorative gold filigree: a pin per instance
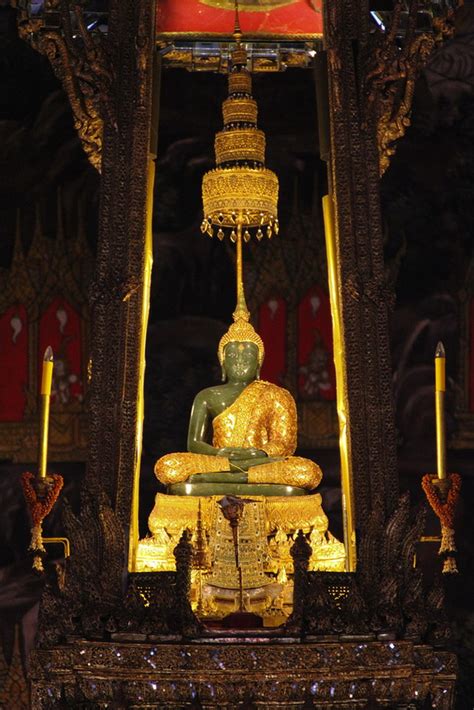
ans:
(177, 467)
(390, 79)
(241, 331)
(243, 110)
(392, 74)
(294, 471)
(240, 144)
(229, 191)
(299, 513)
(240, 82)
(269, 527)
(249, 5)
(243, 195)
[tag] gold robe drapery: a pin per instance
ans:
(263, 417)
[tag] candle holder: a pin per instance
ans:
(42, 491)
(443, 495)
(40, 494)
(443, 490)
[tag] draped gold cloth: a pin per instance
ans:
(263, 417)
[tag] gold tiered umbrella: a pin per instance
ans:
(240, 195)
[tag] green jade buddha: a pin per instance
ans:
(242, 433)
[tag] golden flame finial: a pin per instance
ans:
(237, 31)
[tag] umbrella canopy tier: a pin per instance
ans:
(240, 82)
(239, 110)
(240, 145)
(249, 192)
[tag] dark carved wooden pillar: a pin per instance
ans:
(365, 302)
(117, 291)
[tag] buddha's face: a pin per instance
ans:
(241, 362)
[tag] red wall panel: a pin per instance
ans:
(272, 330)
(316, 375)
(60, 327)
(13, 363)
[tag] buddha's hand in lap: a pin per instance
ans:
(241, 459)
(240, 454)
(246, 464)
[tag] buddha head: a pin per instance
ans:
(241, 350)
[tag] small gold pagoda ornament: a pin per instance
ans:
(240, 195)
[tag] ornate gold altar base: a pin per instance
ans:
(248, 672)
(266, 533)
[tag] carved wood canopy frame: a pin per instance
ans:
(115, 84)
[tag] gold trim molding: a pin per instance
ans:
(249, 5)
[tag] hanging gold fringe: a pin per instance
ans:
(449, 566)
(36, 546)
(448, 543)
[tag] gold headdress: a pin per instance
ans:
(241, 331)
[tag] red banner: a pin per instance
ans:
(60, 327)
(282, 18)
(272, 330)
(13, 364)
(316, 375)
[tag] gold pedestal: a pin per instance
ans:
(266, 534)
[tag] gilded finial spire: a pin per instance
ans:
(237, 30)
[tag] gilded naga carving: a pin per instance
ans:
(81, 63)
(390, 77)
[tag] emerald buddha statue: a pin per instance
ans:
(244, 427)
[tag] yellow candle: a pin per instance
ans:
(47, 374)
(45, 394)
(440, 389)
(440, 368)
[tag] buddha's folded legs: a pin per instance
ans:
(177, 468)
(293, 471)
